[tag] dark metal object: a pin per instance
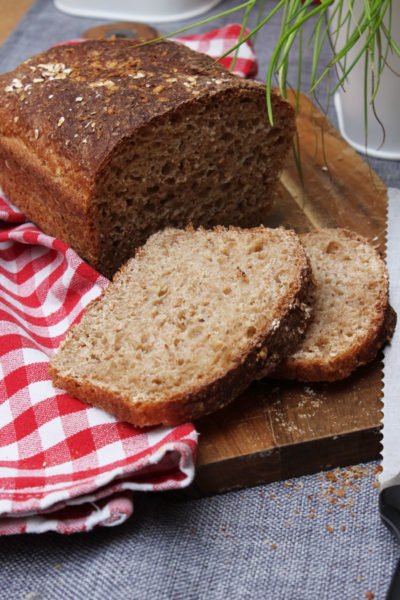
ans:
(389, 506)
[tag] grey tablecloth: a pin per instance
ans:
(318, 537)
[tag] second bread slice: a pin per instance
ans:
(188, 324)
(352, 316)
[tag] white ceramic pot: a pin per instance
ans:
(349, 102)
(150, 11)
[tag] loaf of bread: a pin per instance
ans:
(105, 142)
(188, 324)
(352, 317)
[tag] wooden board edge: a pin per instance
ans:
(278, 464)
(310, 113)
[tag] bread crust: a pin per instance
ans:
(117, 84)
(280, 338)
(341, 366)
(65, 113)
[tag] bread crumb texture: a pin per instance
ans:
(188, 323)
(352, 317)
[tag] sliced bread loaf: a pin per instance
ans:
(188, 323)
(106, 142)
(352, 318)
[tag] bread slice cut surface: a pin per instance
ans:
(352, 317)
(188, 323)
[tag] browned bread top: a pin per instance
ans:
(80, 101)
(352, 317)
(188, 324)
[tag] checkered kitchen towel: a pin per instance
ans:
(65, 466)
(218, 41)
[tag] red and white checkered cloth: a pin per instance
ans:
(65, 466)
(218, 41)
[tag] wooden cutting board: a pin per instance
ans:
(277, 430)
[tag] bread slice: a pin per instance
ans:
(352, 317)
(106, 142)
(188, 324)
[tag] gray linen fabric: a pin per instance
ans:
(309, 539)
(284, 541)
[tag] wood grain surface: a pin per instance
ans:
(11, 11)
(276, 429)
